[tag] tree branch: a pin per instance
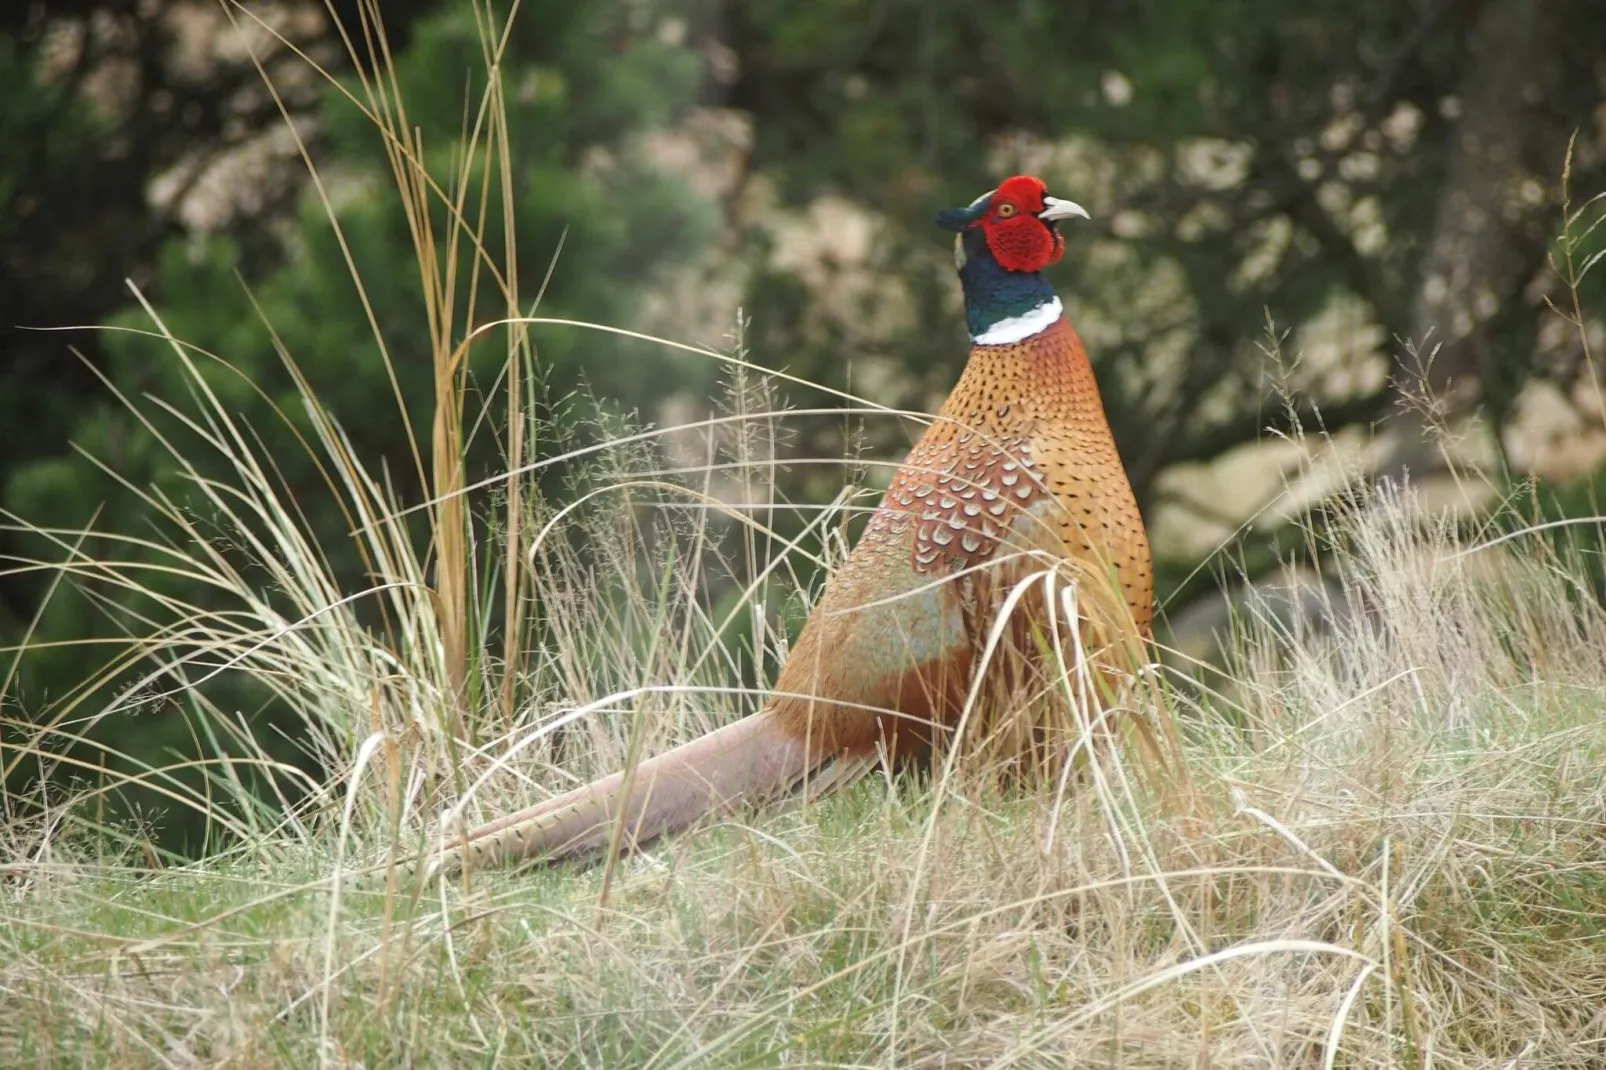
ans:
(1300, 418)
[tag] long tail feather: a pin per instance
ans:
(753, 760)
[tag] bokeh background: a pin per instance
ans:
(1326, 238)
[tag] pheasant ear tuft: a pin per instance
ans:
(957, 219)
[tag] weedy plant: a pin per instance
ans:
(1390, 850)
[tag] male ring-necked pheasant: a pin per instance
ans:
(1018, 472)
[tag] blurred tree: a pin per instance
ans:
(586, 84)
(113, 113)
(1385, 166)
(121, 118)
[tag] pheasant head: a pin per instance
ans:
(1003, 240)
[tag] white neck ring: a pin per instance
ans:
(1019, 328)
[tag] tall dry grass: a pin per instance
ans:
(1392, 849)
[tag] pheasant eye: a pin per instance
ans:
(1006, 210)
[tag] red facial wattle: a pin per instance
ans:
(1023, 242)
(1017, 238)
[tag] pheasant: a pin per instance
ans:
(1019, 469)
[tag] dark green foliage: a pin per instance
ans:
(584, 81)
(903, 105)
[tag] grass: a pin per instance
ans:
(1394, 859)
(1392, 850)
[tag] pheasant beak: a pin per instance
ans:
(1054, 209)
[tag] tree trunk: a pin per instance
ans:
(1478, 257)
